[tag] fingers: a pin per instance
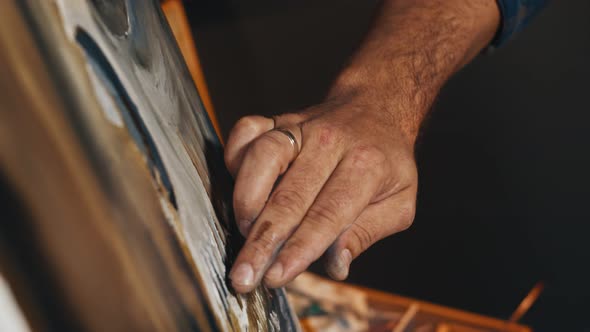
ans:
(283, 212)
(378, 221)
(246, 130)
(348, 191)
(265, 160)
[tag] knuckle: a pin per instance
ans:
(267, 241)
(261, 247)
(249, 123)
(269, 141)
(328, 134)
(407, 213)
(266, 147)
(287, 200)
(362, 236)
(324, 214)
(367, 157)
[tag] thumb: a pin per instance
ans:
(377, 221)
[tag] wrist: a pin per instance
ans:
(414, 48)
(394, 97)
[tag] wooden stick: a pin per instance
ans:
(407, 318)
(176, 16)
(527, 302)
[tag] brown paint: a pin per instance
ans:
(264, 227)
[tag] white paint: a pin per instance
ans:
(105, 99)
(165, 105)
(12, 318)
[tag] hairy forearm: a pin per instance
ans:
(413, 48)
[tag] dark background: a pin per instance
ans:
(503, 159)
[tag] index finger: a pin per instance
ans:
(348, 191)
(281, 215)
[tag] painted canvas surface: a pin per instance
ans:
(122, 215)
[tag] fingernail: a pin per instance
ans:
(244, 227)
(339, 269)
(243, 275)
(345, 258)
(275, 272)
(343, 262)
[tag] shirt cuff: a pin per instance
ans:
(515, 15)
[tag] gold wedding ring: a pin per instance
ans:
(291, 138)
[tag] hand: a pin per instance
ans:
(353, 183)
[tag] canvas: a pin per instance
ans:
(122, 205)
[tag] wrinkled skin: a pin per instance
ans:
(354, 180)
(353, 183)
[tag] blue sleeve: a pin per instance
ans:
(516, 14)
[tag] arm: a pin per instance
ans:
(354, 180)
(413, 49)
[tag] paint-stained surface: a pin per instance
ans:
(122, 174)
